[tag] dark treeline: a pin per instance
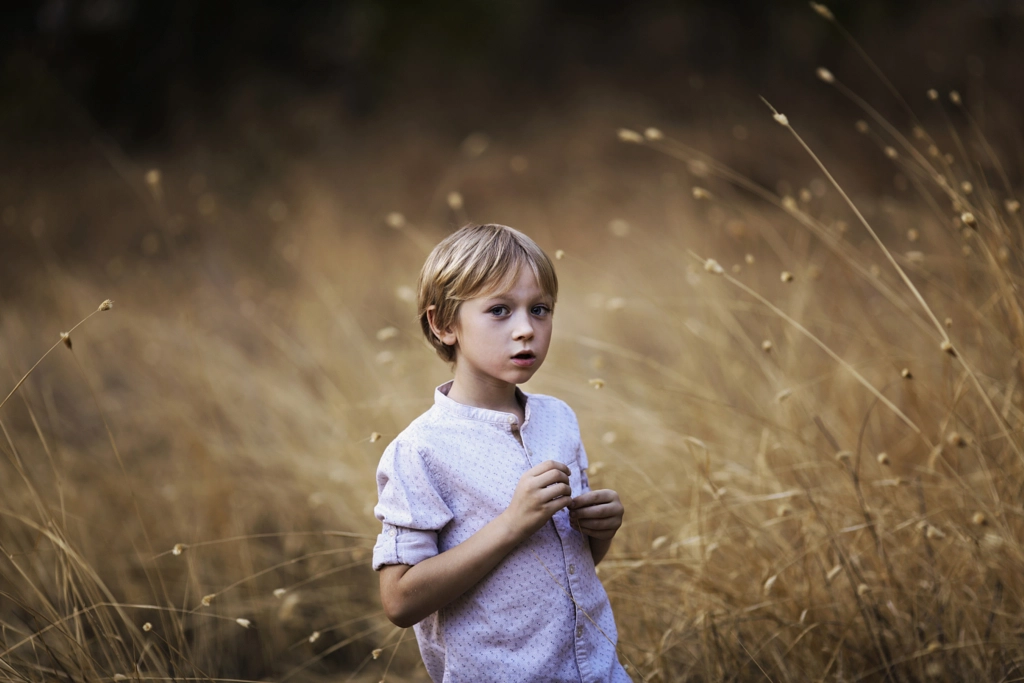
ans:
(131, 63)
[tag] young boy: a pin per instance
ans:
(490, 529)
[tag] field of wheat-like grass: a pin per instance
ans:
(808, 401)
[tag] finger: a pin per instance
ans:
(593, 498)
(549, 465)
(600, 524)
(556, 504)
(597, 511)
(551, 477)
(558, 490)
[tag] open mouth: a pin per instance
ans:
(523, 355)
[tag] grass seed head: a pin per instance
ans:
(913, 234)
(66, 338)
(147, 627)
(862, 126)
(559, 254)
(781, 119)
(883, 458)
(279, 592)
(933, 94)
(455, 200)
(863, 589)
(822, 11)
(891, 152)
(314, 636)
(766, 346)
(121, 677)
(979, 519)
(627, 135)
(178, 549)
(596, 382)
(955, 439)
(934, 533)
(783, 395)
(106, 305)
(906, 374)
(376, 653)
(207, 599)
(374, 437)
(653, 134)
(967, 187)
(1012, 205)
(712, 266)
(919, 133)
(825, 75)
(954, 97)
(844, 456)
(701, 193)
(386, 333)
(833, 573)
(968, 218)
(783, 510)
(947, 347)
(770, 582)
(949, 322)
(244, 623)
(749, 258)
(395, 220)
(786, 276)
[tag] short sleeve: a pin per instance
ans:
(410, 507)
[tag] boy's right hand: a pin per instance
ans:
(541, 492)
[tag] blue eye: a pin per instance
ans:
(541, 310)
(497, 310)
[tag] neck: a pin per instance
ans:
(484, 392)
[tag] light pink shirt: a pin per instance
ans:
(450, 472)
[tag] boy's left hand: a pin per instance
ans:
(596, 513)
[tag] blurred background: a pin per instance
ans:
(255, 185)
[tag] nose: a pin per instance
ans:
(523, 328)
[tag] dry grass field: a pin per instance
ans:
(810, 407)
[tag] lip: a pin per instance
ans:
(525, 362)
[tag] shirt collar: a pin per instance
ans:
(450, 405)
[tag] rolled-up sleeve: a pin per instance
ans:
(409, 506)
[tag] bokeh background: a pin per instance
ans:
(188, 489)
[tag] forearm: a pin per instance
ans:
(433, 583)
(599, 548)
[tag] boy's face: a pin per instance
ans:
(494, 330)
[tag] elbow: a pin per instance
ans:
(394, 598)
(397, 613)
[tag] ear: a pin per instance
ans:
(448, 336)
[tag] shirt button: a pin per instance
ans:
(572, 569)
(579, 631)
(392, 532)
(511, 419)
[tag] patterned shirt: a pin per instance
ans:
(541, 614)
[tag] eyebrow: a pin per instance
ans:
(544, 297)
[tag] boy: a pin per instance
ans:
(484, 548)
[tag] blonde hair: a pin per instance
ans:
(474, 261)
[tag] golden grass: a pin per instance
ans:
(822, 481)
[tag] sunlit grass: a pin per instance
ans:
(816, 438)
